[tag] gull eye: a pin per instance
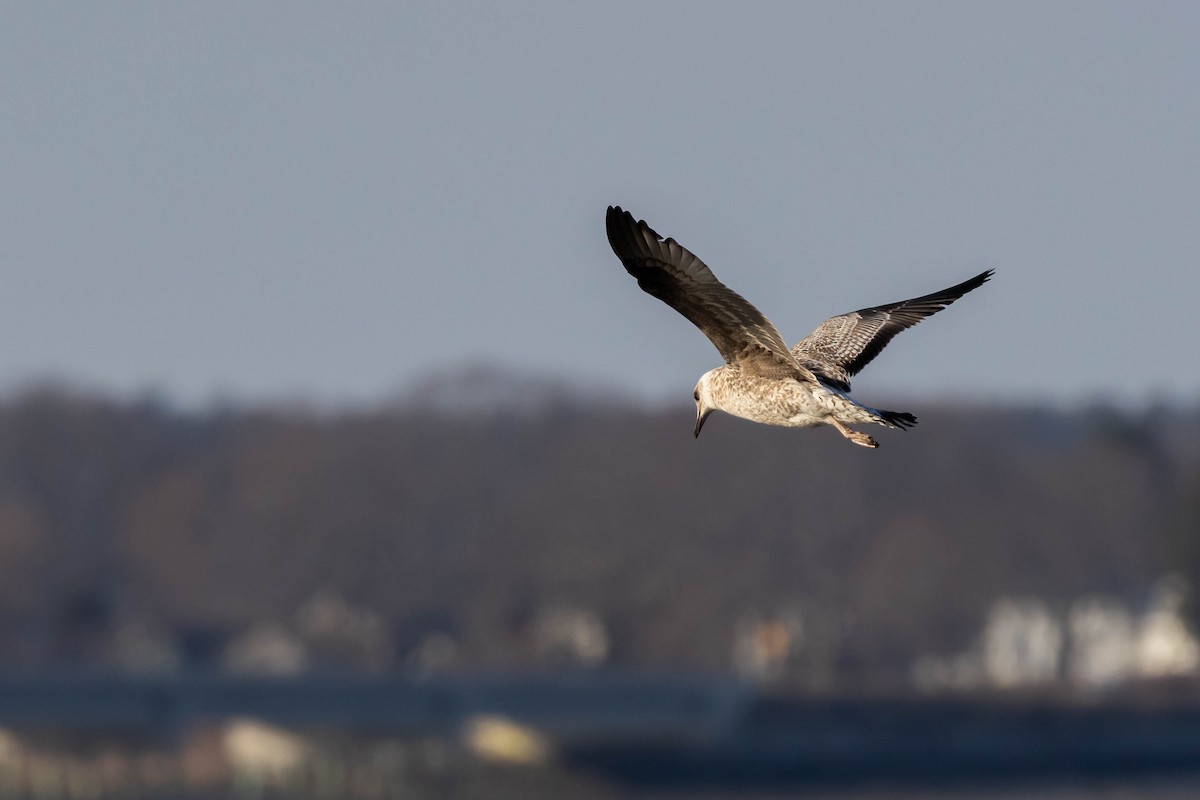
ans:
(696, 396)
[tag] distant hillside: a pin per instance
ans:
(480, 537)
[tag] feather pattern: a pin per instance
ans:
(841, 346)
(667, 270)
(762, 380)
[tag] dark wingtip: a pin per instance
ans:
(899, 419)
(971, 284)
(619, 224)
(615, 215)
(625, 231)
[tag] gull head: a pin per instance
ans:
(705, 398)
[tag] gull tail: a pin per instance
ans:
(897, 419)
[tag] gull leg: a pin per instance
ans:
(855, 436)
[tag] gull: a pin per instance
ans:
(763, 380)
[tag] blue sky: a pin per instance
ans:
(329, 202)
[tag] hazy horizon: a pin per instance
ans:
(307, 202)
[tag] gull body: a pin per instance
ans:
(786, 402)
(763, 380)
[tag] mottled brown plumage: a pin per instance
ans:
(841, 346)
(762, 380)
(667, 270)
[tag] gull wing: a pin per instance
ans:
(667, 270)
(843, 345)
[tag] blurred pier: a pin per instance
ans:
(571, 707)
(654, 732)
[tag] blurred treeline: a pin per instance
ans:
(460, 534)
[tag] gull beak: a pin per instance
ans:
(701, 415)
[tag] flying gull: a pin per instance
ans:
(762, 380)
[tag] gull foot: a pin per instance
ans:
(862, 439)
(858, 437)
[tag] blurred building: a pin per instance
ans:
(1097, 642)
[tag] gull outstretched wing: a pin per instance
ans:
(843, 345)
(667, 270)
